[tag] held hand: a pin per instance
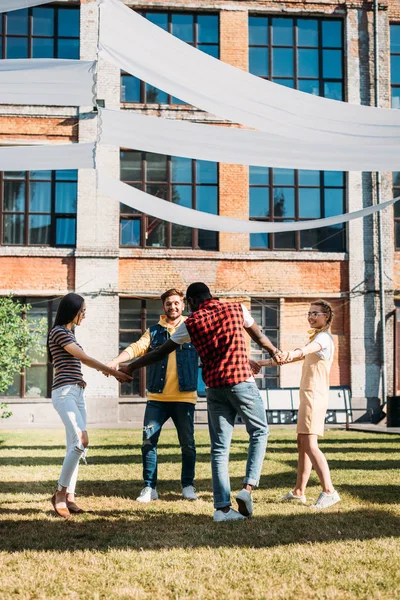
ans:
(285, 357)
(111, 365)
(279, 356)
(122, 376)
(255, 366)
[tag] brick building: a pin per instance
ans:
(58, 235)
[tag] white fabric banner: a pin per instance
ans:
(238, 146)
(8, 5)
(157, 57)
(51, 156)
(47, 82)
(167, 211)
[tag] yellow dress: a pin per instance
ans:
(314, 393)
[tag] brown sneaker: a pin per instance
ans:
(61, 512)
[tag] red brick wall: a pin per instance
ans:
(33, 273)
(39, 128)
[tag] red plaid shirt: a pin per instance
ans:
(216, 331)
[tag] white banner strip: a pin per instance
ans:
(239, 146)
(180, 215)
(8, 5)
(47, 82)
(157, 57)
(49, 157)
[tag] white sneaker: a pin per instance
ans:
(147, 495)
(231, 515)
(290, 497)
(189, 493)
(245, 503)
(326, 500)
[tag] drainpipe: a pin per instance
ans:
(379, 217)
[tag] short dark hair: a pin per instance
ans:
(172, 292)
(198, 290)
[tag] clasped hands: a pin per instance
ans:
(279, 358)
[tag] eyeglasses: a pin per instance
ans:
(315, 314)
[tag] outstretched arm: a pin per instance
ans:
(262, 340)
(293, 355)
(151, 357)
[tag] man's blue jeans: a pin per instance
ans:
(182, 415)
(224, 404)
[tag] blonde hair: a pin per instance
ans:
(327, 309)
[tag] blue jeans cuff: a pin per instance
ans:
(250, 481)
(222, 504)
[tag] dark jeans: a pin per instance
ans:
(182, 415)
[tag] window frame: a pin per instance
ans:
(393, 85)
(257, 353)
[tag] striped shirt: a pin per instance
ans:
(67, 368)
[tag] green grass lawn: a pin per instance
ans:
(171, 549)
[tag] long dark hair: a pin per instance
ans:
(69, 307)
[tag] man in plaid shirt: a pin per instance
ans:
(216, 331)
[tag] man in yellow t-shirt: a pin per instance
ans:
(171, 393)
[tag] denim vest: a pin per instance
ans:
(186, 361)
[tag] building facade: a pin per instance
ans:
(57, 234)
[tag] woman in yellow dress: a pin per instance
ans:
(317, 357)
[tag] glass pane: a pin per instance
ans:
(67, 175)
(36, 382)
(208, 240)
(156, 167)
(17, 47)
(395, 38)
(129, 315)
(282, 62)
(332, 64)
(13, 229)
(286, 82)
(395, 68)
(257, 312)
(207, 29)
(259, 240)
(259, 175)
(68, 22)
(181, 236)
(206, 171)
(14, 196)
(39, 229)
(43, 21)
(14, 174)
(258, 31)
(308, 63)
(333, 90)
(282, 32)
(258, 61)
(182, 27)
(159, 19)
(307, 32)
(334, 202)
(15, 388)
(309, 177)
(156, 233)
(130, 89)
(40, 196)
(17, 22)
(309, 86)
(65, 232)
(182, 195)
(286, 240)
(259, 202)
(310, 203)
(332, 34)
(283, 202)
(42, 175)
(396, 97)
(396, 178)
(207, 199)
(181, 169)
(271, 315)
(397, 234)
(326, 239)
(283, 176)
(157, 189)
(210, 49)
(155, 96)
(66, 195)
(130, 232)
(396, 209)
(131, 166)
(333, 178)
(68, 49)
(42, 48)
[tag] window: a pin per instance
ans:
(36, 381)
(305, 54)
(266, 315)
(38, 208)
(182, 181)
(395, 64)
(396, 194)
(40, 32)
(198, 30)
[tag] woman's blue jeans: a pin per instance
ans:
(224, 404)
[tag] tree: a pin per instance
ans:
(20, 339)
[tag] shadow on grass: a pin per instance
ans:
(355, 465)
(150, 530)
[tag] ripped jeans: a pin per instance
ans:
(182, 415)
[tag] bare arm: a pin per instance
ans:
(134, 350)
(95, 364)
(151, 357)
(261, 340)
(293, 355)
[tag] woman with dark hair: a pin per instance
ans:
(68, 395)
(317, 357)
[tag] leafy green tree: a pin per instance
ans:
(20, 340)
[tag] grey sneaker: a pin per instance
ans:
(231, 515)
(147, 495)
(245, 503)
(326, 500)
(189, 493)
(290, 497)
